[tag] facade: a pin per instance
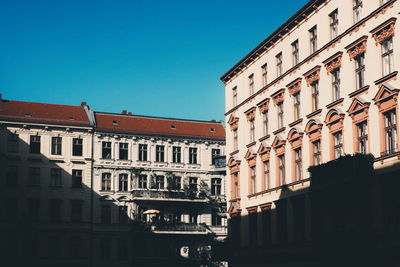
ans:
(79, 188)
(321, 86)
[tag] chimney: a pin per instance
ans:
(83, 103)
(123, 112)
(129, 113)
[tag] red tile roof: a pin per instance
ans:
(42, 113)
(159, 126)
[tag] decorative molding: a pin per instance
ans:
(295, 86)
(358, 109)
(280, 130)
(295, 137)
(314, 129)
(357, 47)
(295, 122)
(279, 145)
(264, 152)
(266, 206)
(313, 114)
(278, 96)
(250, 113)
(263, 106)
(251, 210)
(334, 62)
(386, 78)
(359, 91)
(334, 119)
(233, 122)
(384, 31)
(264, 138)
(234, 165)
(386, 98)
(335, 103)
(312, 75)
(251, 144)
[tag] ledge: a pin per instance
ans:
(279, 130)
(295, 122)
(359, 91)
(386, 78)
(234, 152)
(335, 103)
(382, 158)
(251, 144)
(264, 138)
(315, 113)
(282, 187)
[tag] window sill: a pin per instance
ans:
(251, 144)
(386, 78)
(359, 91)
(234, 152)
(279, 131)
(385, 155)
(296, 122)
(335, 103)
(313, 114)
(264, 138)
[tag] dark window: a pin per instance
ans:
(77, 178)
(387, 56)
(105, 214)
(123, 182)
(55, 209)
(216, 219)
(160, 153)
(76, 210)
(106, 181)
(338, 144)
(55, 177)
(214, 154)
(265, 122)
(106, 150)
(235, 139)
(122, 214)
(192, 155)
(193, 217)
(235, 185)
(34, 146)
(253, 181)
(234, 96)
(142, 181)
(56, 145)
(264, 74)
(360, 71)
(251, 84)
(123, 249)
(296, 105)
(267, 175)
(123, 151)
(252, 131)
(215, 186)
(34, 209)
(334, 24)
(193, 184)
(357, 10)
(77, 147)
(54, 247)
(317, 152)
(76, 247)
(281, 161)
(12, 176)
(390, 131)
(178, 182)
(280, 115)
(105, 249)
(159, 182)
(362, 137)
(176, 154)
(335, 84)
(12, 143)
(295, 52)
(142, 152)
(278, 64)
(315, 96)
(10, 208)
(298, 163)
(313, 39)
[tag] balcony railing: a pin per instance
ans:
(157, 194)
(178, 227)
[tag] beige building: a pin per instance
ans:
(321, 86)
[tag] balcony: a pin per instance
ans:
(177, 227)
(166, 195)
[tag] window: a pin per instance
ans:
(12, 143)
(387, 56)
(235, 186)
(34, 209)
(296, 105)
(252, 131)
(77, 178)
(123, 249)
(56, 144)
(264, 74)
(216, 219)
(193, 184)
(281, 162)
(335, 84)
(142, 181)
(313, 39)
(215, 186)
(295, 52)
(279, 64)
(123, 151)
(267, 178)
(316, 152)
(178, 182)
(390, 131)
(122, 214)
(280, 115)
(334, 24)
(362, 137)
(76, 247)
(142, 152)
(251, 84)
(253, 184)
(55, 209)
(357, 10)
(193, 217)
(12, 176)
(34, 176)
(55, 177)
(123, 182)
(105, 248)
(215, 152)
(235, 140)
(176, 154)
(265, 123)
(360, 71)
(314, 96)
(76, 210)
(192, 155)
(234, 96)
(159, 182)
(77, 147)
(298, 164)
(106, 151)
(106, 181)
(105, 214)
(160, 153)
(337, 144)
(34, 146)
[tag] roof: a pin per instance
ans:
(12, 110)
(134, 124)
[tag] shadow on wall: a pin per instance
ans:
(350, 216)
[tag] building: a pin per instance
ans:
(321, 86)
(84, 188)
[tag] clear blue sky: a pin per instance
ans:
(151, 57)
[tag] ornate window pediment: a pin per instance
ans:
(251, 157)
(279, 145)
(334, 119)
(334, 62)
(312, 75)
(278, 96)
(357, 47)
(263, 106)
(234, 208)
(358, 109)
(384, 31)
(251, 210)
(295, 86)
(250, 113)
(295, 137)
(233, 122)
(313, 129)
(106, 198)
(234, 165)
(264, 152)
(386, 98)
